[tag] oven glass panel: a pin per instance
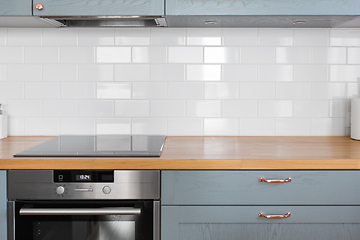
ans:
(84, 227)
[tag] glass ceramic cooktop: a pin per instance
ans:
(98, 146)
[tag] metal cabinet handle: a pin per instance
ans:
(39, 6)
(275, 180)
(80, 211)
(287, 215)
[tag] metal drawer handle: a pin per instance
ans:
(275, 180)
(287, 215)
(80, 211)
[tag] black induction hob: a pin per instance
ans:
(98, 146)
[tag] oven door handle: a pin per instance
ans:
(80, 211)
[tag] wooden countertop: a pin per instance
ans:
(229, 153)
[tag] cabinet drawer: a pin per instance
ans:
(243, 222)
(244, 188)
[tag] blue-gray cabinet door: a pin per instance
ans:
(243, 223)
(15, 7)
(99, 7)
(262, 7)
(3, 201)
(244, 188)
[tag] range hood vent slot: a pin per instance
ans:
(108, 21)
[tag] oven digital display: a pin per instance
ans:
(84, 176)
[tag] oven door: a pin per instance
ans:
(83, 220)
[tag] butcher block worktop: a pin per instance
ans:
(230, 153)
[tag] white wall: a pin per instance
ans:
(179, 81)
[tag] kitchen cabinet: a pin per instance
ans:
(3, 201)
(15, 8)
(98, 7)
(226, 205)
(262, 7)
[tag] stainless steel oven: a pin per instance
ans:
(83, 205)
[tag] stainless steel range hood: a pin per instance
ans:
(108, 21)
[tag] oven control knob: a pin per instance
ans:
(60, 190)
(106, 190)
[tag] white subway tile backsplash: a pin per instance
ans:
(240, 37)
(293, 90)
(353, 90)
(12, 90)
(293, 55)
(149, 54)
(113, 54)
(96, 108)
(110, 126)
(3, 36)
(96, 36)
(96, 72)
(178, 81)
(311, 37)
(328, 91)
(328, 127)
(16, 126)
(59, 36)
(42, 126)
(203, 108)
(77, 54)
(203, 72)
(344, 73)
(257, 55)
(167, 72)
(204, 36)
(329, 55)
(344, 37)
(221, 126)
(221, 55)
(221, 90)
(60, 108)
(24, 36)
(25, 108)
(311, 73)
(185, 127)
(132, 108)
(23, 73)
(183, 54)
(168, 36)
(275, 73)
(257, 127)
(149, 126)
(41, 55)
(257, 90)
(238, 108)
(132, 36)
(59, 72)
(42, 90)
(167, 108)
(311, 108)
(185, 90)
(292, 127)
(340, 108)
(77, 126)
(3, 72)
(276, 37)
(128, 72)
(243, 73)
(353, 56)
(151, 90)
(113, 91)
(10, 55)
(275, 108)
(77, 90)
